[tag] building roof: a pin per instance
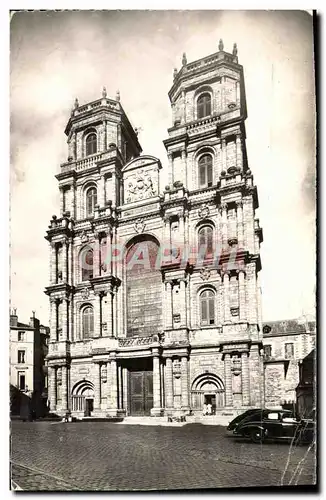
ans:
(288, 326)
(22, 325)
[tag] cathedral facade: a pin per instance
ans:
(154, 290)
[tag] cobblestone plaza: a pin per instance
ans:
(111, 456)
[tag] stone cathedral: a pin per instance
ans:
(154, 290)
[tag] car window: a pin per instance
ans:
(289, 419)
(272, 416)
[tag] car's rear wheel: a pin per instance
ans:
(257, 436)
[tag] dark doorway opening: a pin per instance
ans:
(211, 399)
(89, 407)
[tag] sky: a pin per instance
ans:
(58, 56)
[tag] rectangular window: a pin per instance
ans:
(289, 350)
(21, 336)
(21, 357)
(268, 351)
(21, 381)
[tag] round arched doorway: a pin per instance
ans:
(207, 388)
(82, 397)
(143, 287)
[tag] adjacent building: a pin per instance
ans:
(306, 388)
(155, 290)
(286, 344)
(28, 350)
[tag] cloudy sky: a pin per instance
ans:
(57, 56)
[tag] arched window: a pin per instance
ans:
(205, 240)
(87, 322)
(204, 105)
(91, 201)
(87, 264)
(207, 307)
(205, 165)
(91, 144)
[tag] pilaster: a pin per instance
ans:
(228, 380)
(168, 383)
(184, 383)
(245, 379)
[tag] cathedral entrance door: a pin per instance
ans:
(141, 392)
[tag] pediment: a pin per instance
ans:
(142, 162)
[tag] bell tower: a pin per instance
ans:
(208, 110)
(211, 199)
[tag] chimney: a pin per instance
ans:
(32, 320)
(13, 317)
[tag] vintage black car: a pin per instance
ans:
(276, 424)
(248, 413)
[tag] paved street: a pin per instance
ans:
(108, 456)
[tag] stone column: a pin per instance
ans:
(169, 383)
(183, 101)
(125, 388)
(184, 384)
(242, 296)
(239, 152)
(114, 387)
(62, 194)
(224, 213)
(64, 388)
(183, 303)
(108, 257)
(237, 93)
(110, 313)
(259, 305)
(115, 313)
(168, 286)
(166, 239)
(52, 264)
(226, 288)
(228, 380)
(184, 162)
(162, 385)
(52, 387)
(64, 261)
(245, 379)
(101, 191)
(71, 323)
(223, 144)
(120, 386)
(105, 135)
(181, 239)
(97, 386)
(98, 315)
(65, 319)
(108, 384)
(170, 173)
(53, 319)
(240, 233)
(70, 263)
(156, 410)
(97, 255)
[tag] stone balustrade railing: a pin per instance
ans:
(139, 341)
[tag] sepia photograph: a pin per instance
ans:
(162, 250)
